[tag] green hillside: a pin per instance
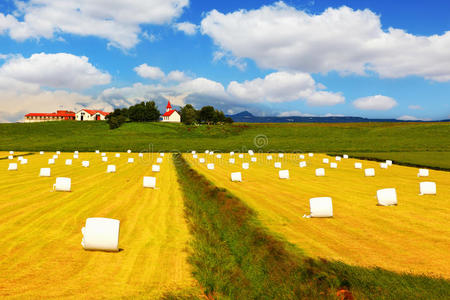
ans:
(425, 144)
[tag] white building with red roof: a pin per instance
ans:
(170, 115)
(59, 115)
(90, 115)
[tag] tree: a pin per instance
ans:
(144, 112)
(189, 115)
(207, 114)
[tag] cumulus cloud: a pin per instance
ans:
(60, 70)
(177, 76)
(377, 102)
(294, 113)
(146, 71)
(283, 87)
(339, 39)
(117, 21)
(186, 27)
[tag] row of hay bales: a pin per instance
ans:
(320, 206)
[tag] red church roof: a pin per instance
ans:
(93, 112)
(59, 113)
(168, 105)
(168, 113)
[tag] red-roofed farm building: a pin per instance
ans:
(90, 115)
(59, 115)
(170, 115)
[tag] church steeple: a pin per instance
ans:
(168, 107)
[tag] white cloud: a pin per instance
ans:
(283, 87)
(411, 118)
(60, 70)
(340, 39)
(415, 107)
(117, 21)
(186, 27)
(177, 76)
(377, 102)
(294, 113)
(150, 72)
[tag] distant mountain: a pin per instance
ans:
(247, 117)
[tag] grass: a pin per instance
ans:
(430, 140)
(40, 231)
(411, 237)
(235, 256)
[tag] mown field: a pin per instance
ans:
(425, 144)
(413, 237)
(40, 231)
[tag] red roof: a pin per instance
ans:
(93, 112)
(168, 105)
(168, 113)
(59, 113)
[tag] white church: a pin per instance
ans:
(170, 115)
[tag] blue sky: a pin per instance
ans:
(378, 59)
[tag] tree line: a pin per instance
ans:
(148, 112)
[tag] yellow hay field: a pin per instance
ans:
(40, 230)
(411, 237)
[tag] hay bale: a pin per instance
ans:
(85, 163)
(62, 184)
(333, 165)
(427, 188)
(280, 155)
(201, 160)
(231, 153)
(117, 155)
(302, 156)
(149, 182)
(387, 197)
(338, 158)
(111, 169)
(41, 152)
(103, 154)
(97, 151)
(193, 152)
(141, 155)
(75, 156)
(210, 166)
(277, 165)
(51, 161)
(236, 176)
(159, 160)
(10, 157)
(128, 151)
(231, 160)
(326, 161)
(358, 165)
(370, 172)
(241, 155)
(68, 162)
(310, 154)
(251, 153)
(104, 159)
(283, 174)
(161, 154)
(389, 162)
(253, 159)
(58, 152)
(155, 168)
(269, 157)
(12, 167)
(321, 207)
(24, 161)
(20, 158)
(195, 156)
(423, 173)
(55, 156)
(101, 234)
(383, 165)
(219, 156)
(211, 152)
(245, 166)
(320, 172)
(44, 172)
(11, 152)
(345, 156)
(206, 151)
(302, 164)
(130, 160)
(75, 152)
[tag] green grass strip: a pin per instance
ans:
(235, 257)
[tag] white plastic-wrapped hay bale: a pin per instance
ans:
(195, 156)
(251, 153)
(277, 165)
(128, 151)
(231, 153)
(231, 161)
(301, 156)
(130, 160)
(55, 156)
(68, 162)
(44, 172)
(111, 169)
(85, 163)
(423, 173)
(161, 154)
(12, 167)
(280, 155)
(62, 184)
(369, 172)
(75, 156)
(10, 157)
(326, 161)
(302, 164)
(103, 154)
(101, 234)
(104, 159)
(117, 155)
(241, 155)
(310, 154)
(155, 168)
(19, 158)
(253, 159)
(269, 157)
(338, 158)
(245, 166)
(41, 152)
(211, 152)
(387, 197)
(206, 151)
(345, 156)
(358, 165)
(58, 152)
(283, 174)
(236, 176)
(389, 162)
(97, 151)
(333, 165)
(201, 160)
(321, 207)
(51, 161)
(149, 182)
(141, 155)
(219, 156)
(320, 172)
(24, 161)
(75, 152)
(210, 166)
(383, 165)
(193, 152)
(11, 152)
(427, 188)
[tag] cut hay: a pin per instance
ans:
(101, 234)
(387, 197)
(321, 207)
(62, 184)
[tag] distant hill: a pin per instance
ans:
(248, 117)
